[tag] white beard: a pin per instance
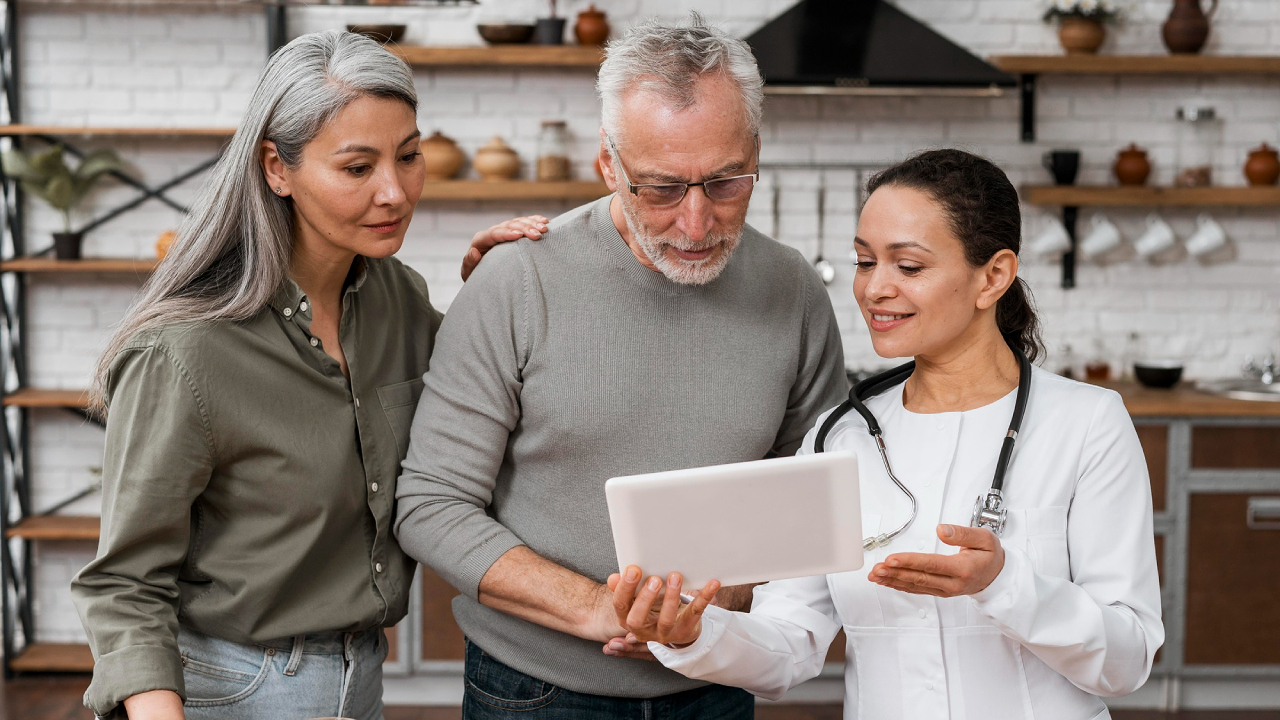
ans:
(672, 266)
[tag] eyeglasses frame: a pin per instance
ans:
(634, 187)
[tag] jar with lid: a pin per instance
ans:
(1199, 142)
(553, 151)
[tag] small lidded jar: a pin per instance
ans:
(1199, 141)
(553, 151)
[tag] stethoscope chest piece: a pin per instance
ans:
(989, 512)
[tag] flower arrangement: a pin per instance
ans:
(1102, 11)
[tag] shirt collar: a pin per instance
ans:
(289, 296)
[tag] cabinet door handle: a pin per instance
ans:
(1263, 513)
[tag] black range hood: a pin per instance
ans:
(865, 47)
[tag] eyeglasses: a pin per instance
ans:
(669, 194)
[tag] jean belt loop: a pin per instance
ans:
(295, 657)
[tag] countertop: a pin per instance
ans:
(1184, 400)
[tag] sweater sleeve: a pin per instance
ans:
(469, 407)
(821, 382)
(1101, 628)
(158, 459)
(781, 643)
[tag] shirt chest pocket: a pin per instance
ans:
(399, 402)
(1041, 533)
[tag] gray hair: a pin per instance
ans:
(667, 59)
(232, 252)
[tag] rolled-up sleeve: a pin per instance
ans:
(159, 457)
(469, 407)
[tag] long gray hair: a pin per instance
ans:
(233, 250)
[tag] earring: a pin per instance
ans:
(277, 191)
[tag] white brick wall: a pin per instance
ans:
(195, 67)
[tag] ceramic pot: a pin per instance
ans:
(66, 246)
(1187, 28)
(1132, 166)
(442, 156)
(1081, 36)
(164, 242)
(591, 28)
(548, 31)
(496, 161)
(1263, 166)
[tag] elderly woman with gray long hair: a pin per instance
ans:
(260, 393)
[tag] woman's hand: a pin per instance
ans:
(154, 705)
(652, 614)
(531, 227)
(971, 570)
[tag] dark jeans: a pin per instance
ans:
(497, 692)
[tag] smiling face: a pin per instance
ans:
(689, 242)
(358, 182)
(916, 289)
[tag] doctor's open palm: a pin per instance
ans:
(980, 560)
(655, 611)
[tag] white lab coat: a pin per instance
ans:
(1073, 615)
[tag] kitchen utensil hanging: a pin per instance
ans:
(825, 269)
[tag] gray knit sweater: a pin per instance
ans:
(565, 362)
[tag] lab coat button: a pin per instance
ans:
(928, 686)
(924, 614)
(942, 426)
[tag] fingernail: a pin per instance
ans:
(948, 531)
(882, 572)
(674, 580)
(892, 563)
(632, 574)
(654, 583)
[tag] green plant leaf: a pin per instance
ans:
(49, 162)
(96, 164)
(16, 165)
(60, 191)
(34, 188)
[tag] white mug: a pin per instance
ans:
(1052, 240)
(1208, 237)
(1103, 238)
(1158, 237)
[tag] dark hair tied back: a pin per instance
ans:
(982, 207)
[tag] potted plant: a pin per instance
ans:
(46, 175)
(549, 30)
(1080, 23)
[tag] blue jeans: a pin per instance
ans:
(322, 675)
(497, 692)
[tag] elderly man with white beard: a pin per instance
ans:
(650, 330)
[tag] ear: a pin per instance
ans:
(605, 158)
(997, 277)
(273, 169)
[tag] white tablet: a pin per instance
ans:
(742, 523)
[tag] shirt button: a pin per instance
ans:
(374, 487)
(288, 312)
(928, 686)
(303, 306)
(357, 402)
(377, 567)
(923, 613)
(942, 426)
(315, 342)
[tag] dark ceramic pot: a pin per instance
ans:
(1187, 28)
(66, 246)
(549, 31)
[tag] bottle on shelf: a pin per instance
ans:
(1067, 365)
(1133, 352)
(1098, 369)
(553, 151)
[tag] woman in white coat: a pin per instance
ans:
(951, 621)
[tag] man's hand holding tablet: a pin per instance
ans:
(656, 611)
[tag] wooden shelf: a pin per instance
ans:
(1137, 64)
(1083, 196)
(57, 527)
(513, 190)
(87, 265)
(53, 657)
(1185, 401)
(33, 398)
(561, 56)
(64, 131)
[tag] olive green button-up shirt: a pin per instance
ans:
(248, 486)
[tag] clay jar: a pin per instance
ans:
(591, 28)
(1263, 166)
(1132, 166)
(442, 156)
(496, 161)
(1081, 36)
(1187, 28)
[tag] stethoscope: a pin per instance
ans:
(989, 511)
